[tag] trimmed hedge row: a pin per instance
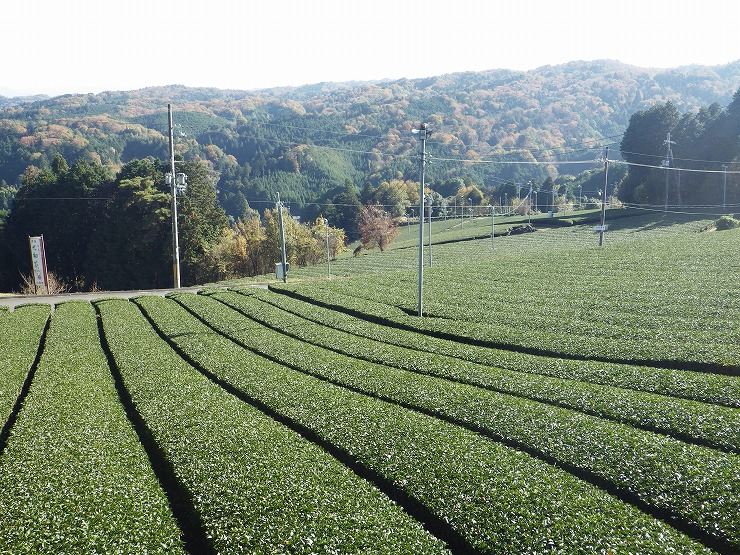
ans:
(21, 332)
(74, 477)
(372, 319)
(670, 302)
(689, 482)
(258, 486)
(703, 423)
(498, 498)
(677, 347)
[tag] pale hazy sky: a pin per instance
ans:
(80, 46)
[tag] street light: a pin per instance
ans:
(724, 193)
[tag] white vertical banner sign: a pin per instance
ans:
(38, 261)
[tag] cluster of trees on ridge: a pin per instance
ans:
(706, 143)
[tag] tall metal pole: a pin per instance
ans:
(493, 212)
(422, 131)
(328, 256)
(667, 164)
(724, 190)
(603, 198)
(173, 195)
(552, 208)
(279, 206)
(430, 230)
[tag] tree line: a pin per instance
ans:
(707, 140)
(115, 233)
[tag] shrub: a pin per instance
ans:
(727, 222)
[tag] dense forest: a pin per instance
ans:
(331, 148)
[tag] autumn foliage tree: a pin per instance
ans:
(377, 228)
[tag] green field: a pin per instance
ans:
(556, 397)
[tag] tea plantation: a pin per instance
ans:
(556, 397)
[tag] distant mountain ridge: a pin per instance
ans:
(264, 140)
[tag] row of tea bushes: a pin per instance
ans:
(21, 332)
(688, 483)
(258, 486)
(497, 498)
(74, 477)
(377, 320)
(702, 423)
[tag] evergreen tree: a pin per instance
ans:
(347, 208)
(643, 143)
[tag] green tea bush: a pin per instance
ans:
(21, 333)
(686, 480)
(485, 500)
(259, 487)
(74, 477)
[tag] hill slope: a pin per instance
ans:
(268, 140)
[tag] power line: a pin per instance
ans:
(671, 168)
(515, 162)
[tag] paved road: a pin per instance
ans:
(16, 300)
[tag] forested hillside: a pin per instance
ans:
(87, 171)
(307, 142)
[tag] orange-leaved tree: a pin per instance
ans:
(377, 228)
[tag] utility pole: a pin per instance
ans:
(724, 189)
(602, 227)
(667, 164)
(328, 260)
(284, 262)
(423, 134)
(493, 216)
(553, 199)
(173, 206)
